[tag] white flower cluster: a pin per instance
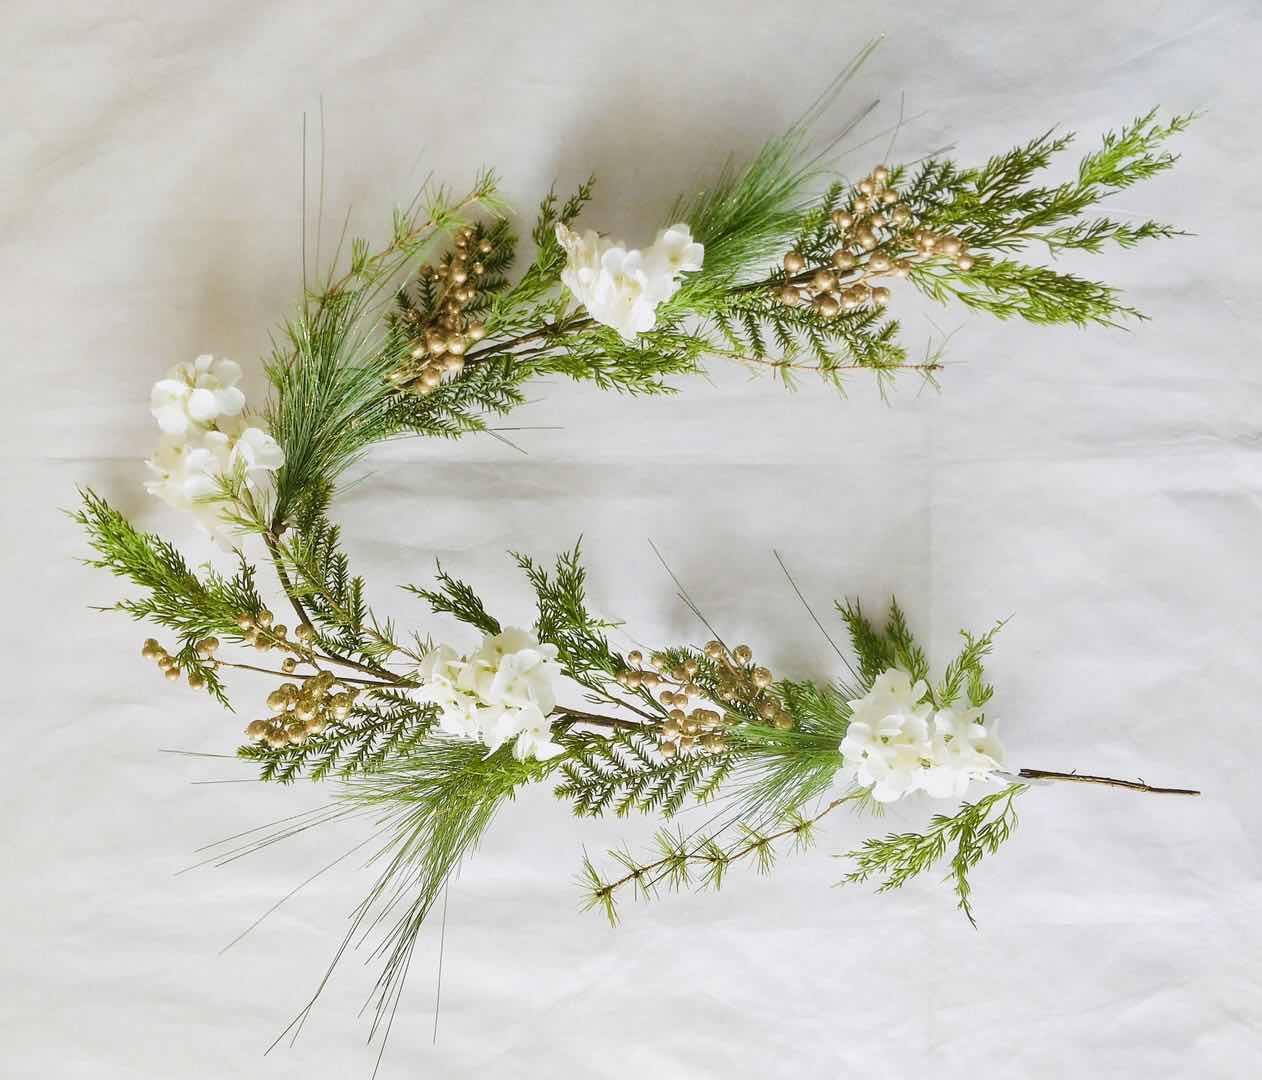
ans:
(620, 286)
(503, 691)
(896, 743)
(205, 436)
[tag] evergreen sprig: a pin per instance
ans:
(434, 801)
(454, 597)
(389, 725)
(565, 621)
(194, 606)
(688, 861)
(332, 399)
(977, 829)
(895, 647)
(623, 771)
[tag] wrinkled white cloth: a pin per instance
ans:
(1102, 487)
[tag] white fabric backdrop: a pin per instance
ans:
(1103, 487)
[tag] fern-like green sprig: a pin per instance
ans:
(977, 829)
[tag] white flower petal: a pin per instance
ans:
(202, 405)
(230, 401)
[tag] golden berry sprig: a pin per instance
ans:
(875, 236)
(170, 666)
(691, 723)
(261, 631)
(441, 345)
(742, 683)
(301, 710)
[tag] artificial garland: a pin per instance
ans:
(773, 265)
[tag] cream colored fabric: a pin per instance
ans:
(1101, 487)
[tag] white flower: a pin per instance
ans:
(674, 252)
(896, 743)
(524, 670)
(888, 736)
(184, 470)
(621, 287)
(196, 394)
(535, 738)
(502, 692)
(208, 447)
(964, 749)
(186, 476)
(257, 453)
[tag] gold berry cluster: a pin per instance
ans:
(170, 667)
(875, 236)
(300, 711)
(689, 725)
(743, 684)
(440, 347)
(261, 631)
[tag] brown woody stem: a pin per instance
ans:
(1108, 781)
(599, 719)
